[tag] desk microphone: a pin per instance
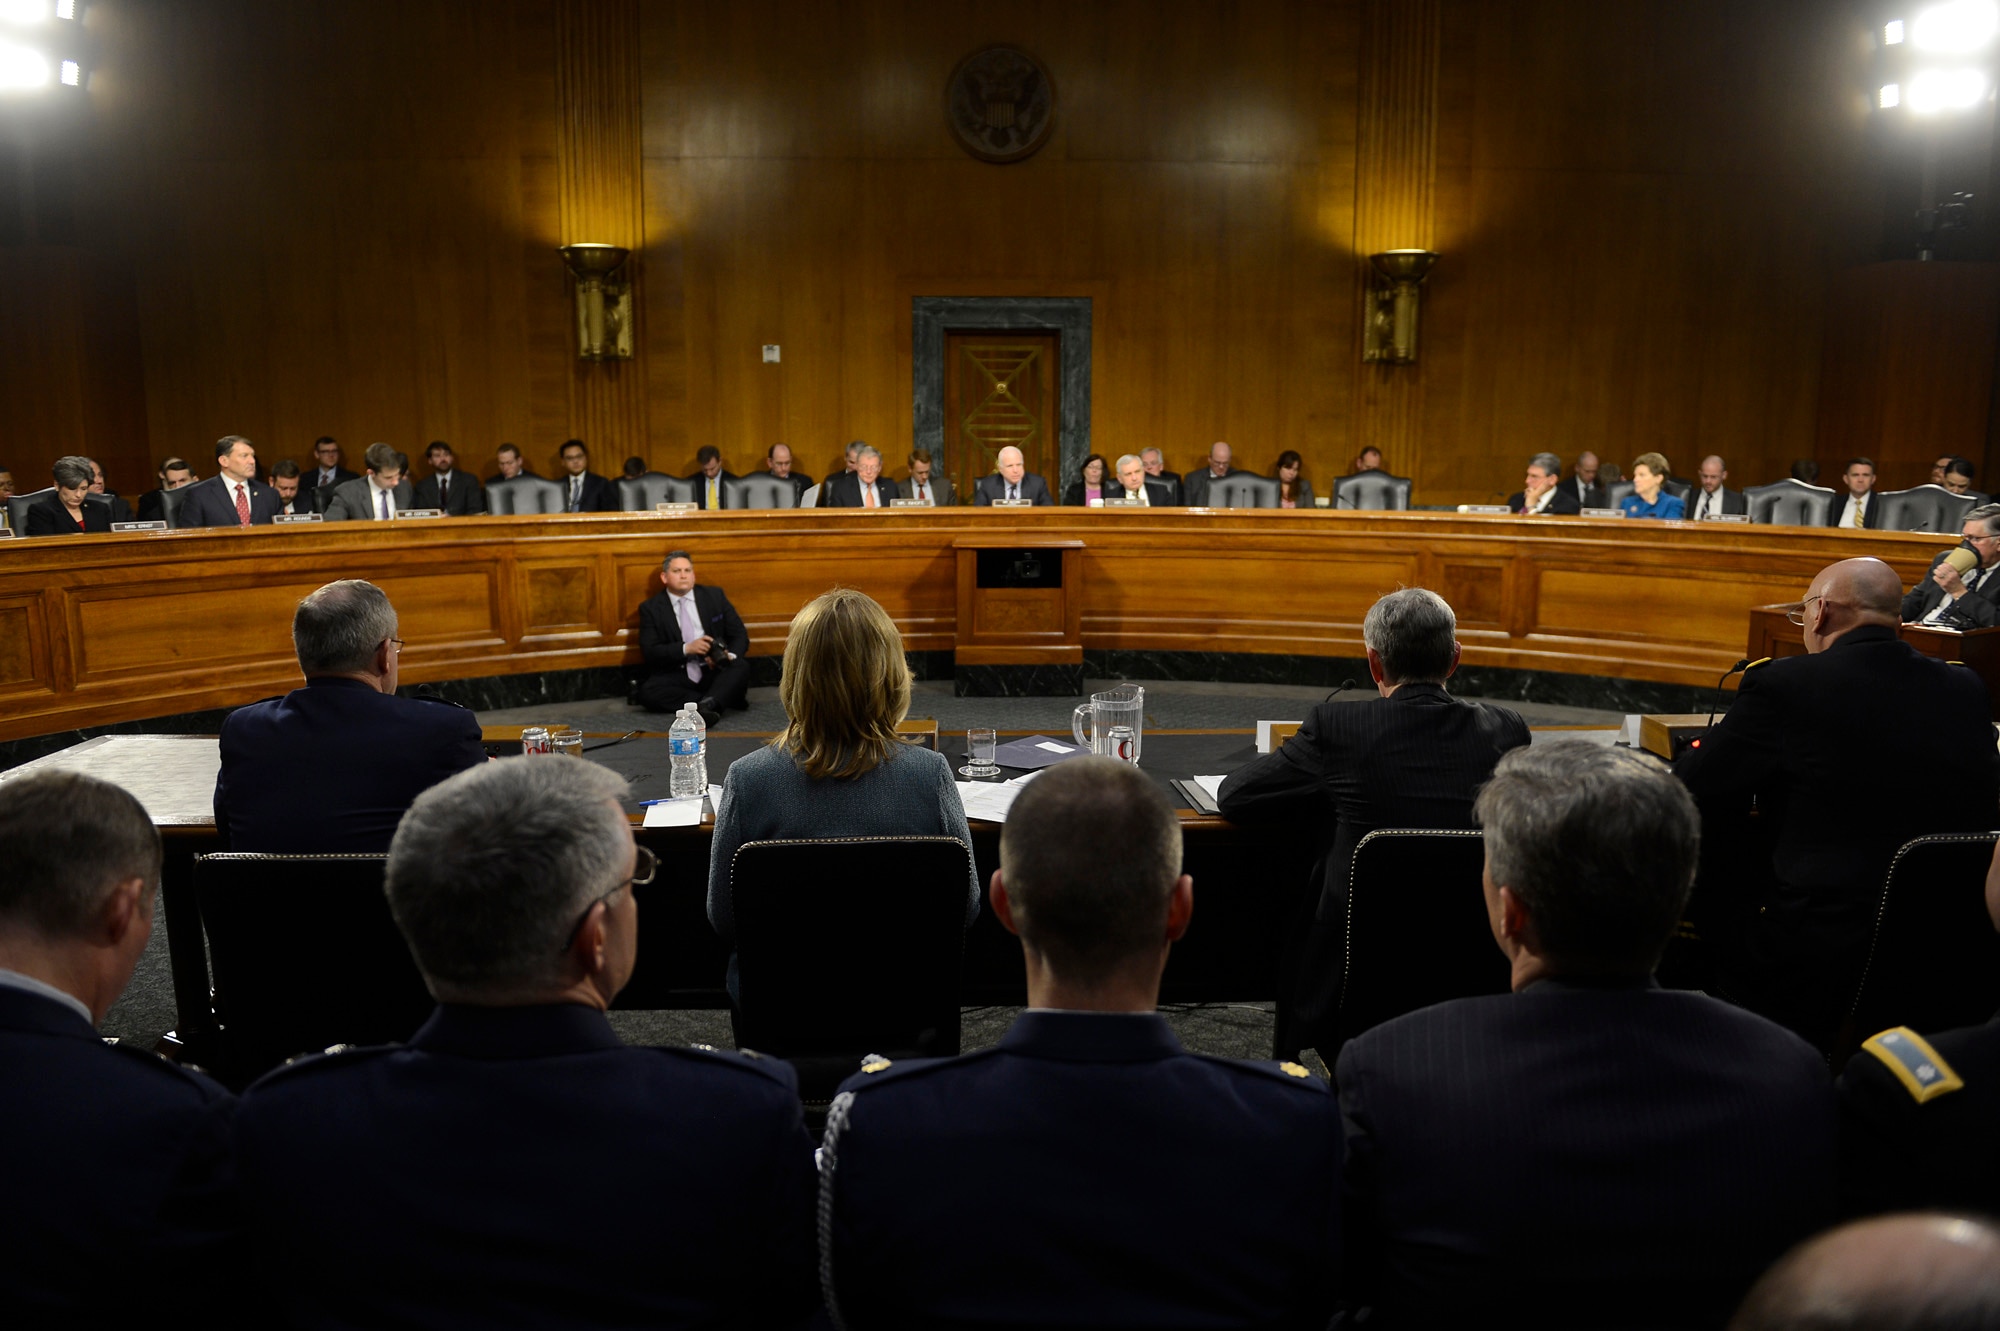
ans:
(1744, 664)
(1345, 685)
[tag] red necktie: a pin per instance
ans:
(242, 505)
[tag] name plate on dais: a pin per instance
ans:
(150, 524)
(1602, 513)
(1013, 503)
(910, 503)
(1727, 517)
(292, 519)
(1120, 503)
(1484, 508)
(675, 510)
(402, 513)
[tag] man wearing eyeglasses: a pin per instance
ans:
(516, 1163)
(1947, 598)
(329, 768)
(1845, 753)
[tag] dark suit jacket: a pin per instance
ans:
(1587, 496)
(120, 510)
(313, 495)
(700, 484)
(1610, 1155)
(1563, 504)
(1071, 1149)
(1732, 500)
(799, 483)
(1977, 609)
(845, 492)
(1158, 494)
(332, 767)
(990, 488)
(1195, 485)
(354, 501)
(149, 509)
(463, 497)
(1176, 488)
(1870, 520)
(599, 494)
(1073, 496)
(660, 629)
(117, 1161)
(209, 504)
(1413, 759)
(938, 489)
(1940, 1153)
(48, 517)
(446, 1171)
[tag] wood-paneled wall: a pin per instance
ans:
(339, 216)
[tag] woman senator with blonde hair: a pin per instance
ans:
(838, 769)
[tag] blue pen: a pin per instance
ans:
(675, 799)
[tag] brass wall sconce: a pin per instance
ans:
(1390, 332)
(603, 301)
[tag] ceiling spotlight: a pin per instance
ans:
(22, 66)
(1961, 25)
(1892, 95)
(1937, 90)
(1892, 32)
(72, 74)
(66, 9)
(23, 11)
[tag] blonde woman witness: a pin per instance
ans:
(838, 769)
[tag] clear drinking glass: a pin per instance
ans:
(566, 741)
(979, 746)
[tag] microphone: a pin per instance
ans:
(1345, 685)
(1744, 664)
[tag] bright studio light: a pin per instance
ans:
(66, 9)
(1892, 95)
(22, 66)
(72, 74)
(1937, 90)
(1892, 32)
(1960, 26)
(23, 11)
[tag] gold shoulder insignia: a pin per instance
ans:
(1762, 660)
(875, 1063)
(1912, 1061)
(1294, 1070)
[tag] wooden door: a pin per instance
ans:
(1001, 388)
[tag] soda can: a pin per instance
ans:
(535, 739)
(1123, 743)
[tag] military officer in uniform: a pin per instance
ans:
(517, 1164)
(329, 768)
(1088, 1171)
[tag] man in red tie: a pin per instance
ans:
(923, 485)
(235, 497)
(695, 642)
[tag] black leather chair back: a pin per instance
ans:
(1417, 932)
(1789, 503)
(303, 954)
(1934, 960)
(19, 504)
(1615, 493)
(848, 947)
(1924, 508)
(1376, 490)
(639, 494)
(1241, 489)
(524, 494)
(1678, 489)
(170, 505)
(759, 491)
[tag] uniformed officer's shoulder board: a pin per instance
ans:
(1296, 1074)
(1911, 1061)
(743, 1060)
(876, 1070)
(333, 1056)
(189, 1073)
(432, 697)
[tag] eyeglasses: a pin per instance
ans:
(397, 643)
(644, 866)
(1796, 611)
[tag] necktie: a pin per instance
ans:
(382, 505)
(444, 487)
(712, 503)
(921, 493)
(575, 492)
(242, 505)
(868, 496)
(1854, 516)
(1013, 492)
(690, 630)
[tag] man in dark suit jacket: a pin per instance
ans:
(1582, 482)
(331, 767)
(115, 1160)
(857, 488)
(696, 644)
(319, 480)
(1860, 499)
(1608, 1152)
(1156, 470)
(292, 501)
(1195, 485)
(584, 491)
(384, 492)
(1711, 497)
(457, 493)
(1129, 481)
(1012, 480)
(847, 468)
(236, 498)
(508, 458)
(1088, 1134)
(1543, 494)
(1414, 757)
(1962, 600)
(1845, 754)
(778, 465)
(175, 474)
(709, 478)
(925, 483)
(447, 1169)
(119, 509)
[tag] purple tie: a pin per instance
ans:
(690, 630)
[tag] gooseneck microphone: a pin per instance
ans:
(1345, 685)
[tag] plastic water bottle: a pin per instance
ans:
(687, 741)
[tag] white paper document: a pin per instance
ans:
(675, 813)
(1211, 784)
(988, 801)
(1053, 747)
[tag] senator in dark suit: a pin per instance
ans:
(1413, 757)
(456, 493)
(235, 498)
(1098, 1174)
(122, 1206)
(1130, 481)
(1974, 597)
(384, 491)
(664, 642)
(1860, 479)
(516, 1163)
(1846, 753)
(332, 766)
(1013, 480)
(1606, 1152)
(1542, 493)
(584, 491)
(850, 490)
(53, 514)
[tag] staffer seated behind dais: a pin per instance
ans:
(379, 495)
(1649, 476)
(1950, 599)
(838, 770)
(1087, 1171)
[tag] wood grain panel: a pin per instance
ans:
(133, 629)
(24, 645)
(559, 600)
